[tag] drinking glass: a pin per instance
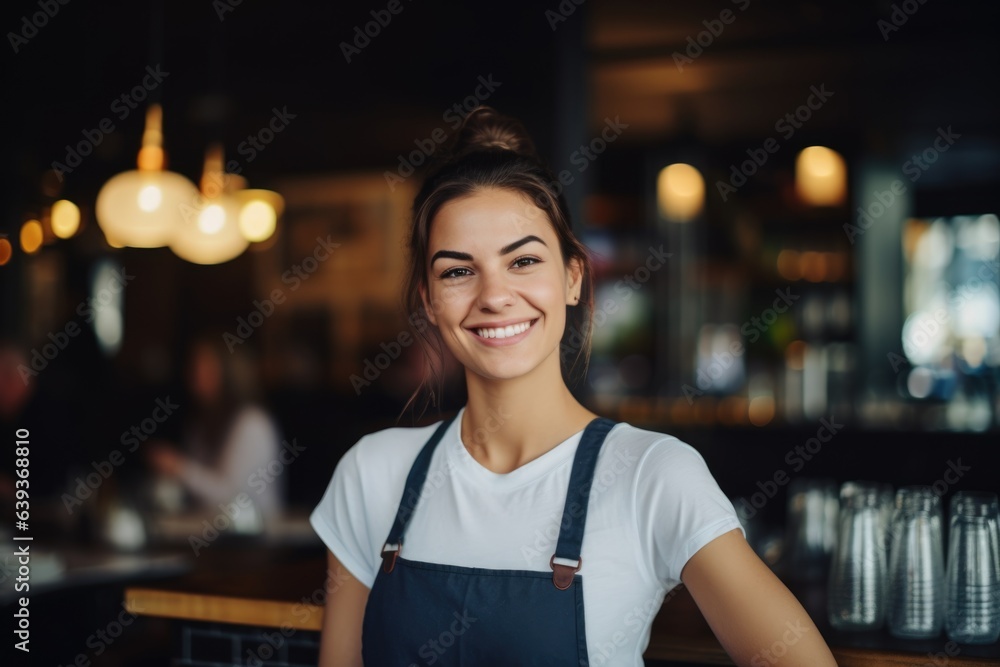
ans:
(915, 599)
(972, 599)
(812, 526)
(856, 590)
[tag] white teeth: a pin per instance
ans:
(504, 332)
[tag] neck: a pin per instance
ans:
(508, 423)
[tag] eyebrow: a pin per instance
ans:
(464, 256)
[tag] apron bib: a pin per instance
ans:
(421, 613)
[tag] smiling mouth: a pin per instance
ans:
(505, 332)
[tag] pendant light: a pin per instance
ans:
(209, 231)
(680, 192)
(821, 176)
(142, 208)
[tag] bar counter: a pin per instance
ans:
(282, 589)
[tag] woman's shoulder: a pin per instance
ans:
(647, 443)
(653, 457)
(252, 422)
(394, 445)
(253, 415)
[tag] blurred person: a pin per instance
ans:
(229, 440)
(483, 525)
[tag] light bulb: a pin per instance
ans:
(150, 198)
(211, 219)
(680, 191)
(65, 218)
(821, 176)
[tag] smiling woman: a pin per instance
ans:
(525, 500)
(493, 294)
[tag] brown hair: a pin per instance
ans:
(492, 151)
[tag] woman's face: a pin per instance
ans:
(205, 374)
(497, 285)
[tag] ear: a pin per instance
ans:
(574, 282)
(431, 315)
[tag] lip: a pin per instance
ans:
(503, 342)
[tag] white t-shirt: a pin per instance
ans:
(653, 504)
(246, 464)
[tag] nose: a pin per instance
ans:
(495, 291)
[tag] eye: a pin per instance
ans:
(456, 273)
(522, 262)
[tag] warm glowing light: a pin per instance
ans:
(788, 264)
(141, 208)
(6, 250)
(259, 213)
(31, 236)
(812, 265)
(680, 191)
(150, 198)
(211, 219)
(257, 220)
(761, 410)
(821, 176)
(65, 218)
(209, 233)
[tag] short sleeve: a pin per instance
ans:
(341, 520)
(679, 507)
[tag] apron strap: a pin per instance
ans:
(411, 494)
(566, 561)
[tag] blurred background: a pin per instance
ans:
(792, 208)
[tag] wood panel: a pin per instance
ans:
(223, 609)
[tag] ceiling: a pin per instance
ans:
(228, 72)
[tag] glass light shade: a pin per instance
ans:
(259, 213)
(209, 233)
(141, 208)
(680, 192)
(821, 176)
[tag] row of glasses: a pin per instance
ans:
(893, 570)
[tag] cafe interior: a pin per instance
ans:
(792, 211)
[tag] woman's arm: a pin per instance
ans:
(346, 597)
(754, 616)
(251, 443)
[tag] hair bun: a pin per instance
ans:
(484, 128)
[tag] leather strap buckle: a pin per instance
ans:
(562, 574)
(389, 554)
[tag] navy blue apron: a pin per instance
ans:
(422, 613)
